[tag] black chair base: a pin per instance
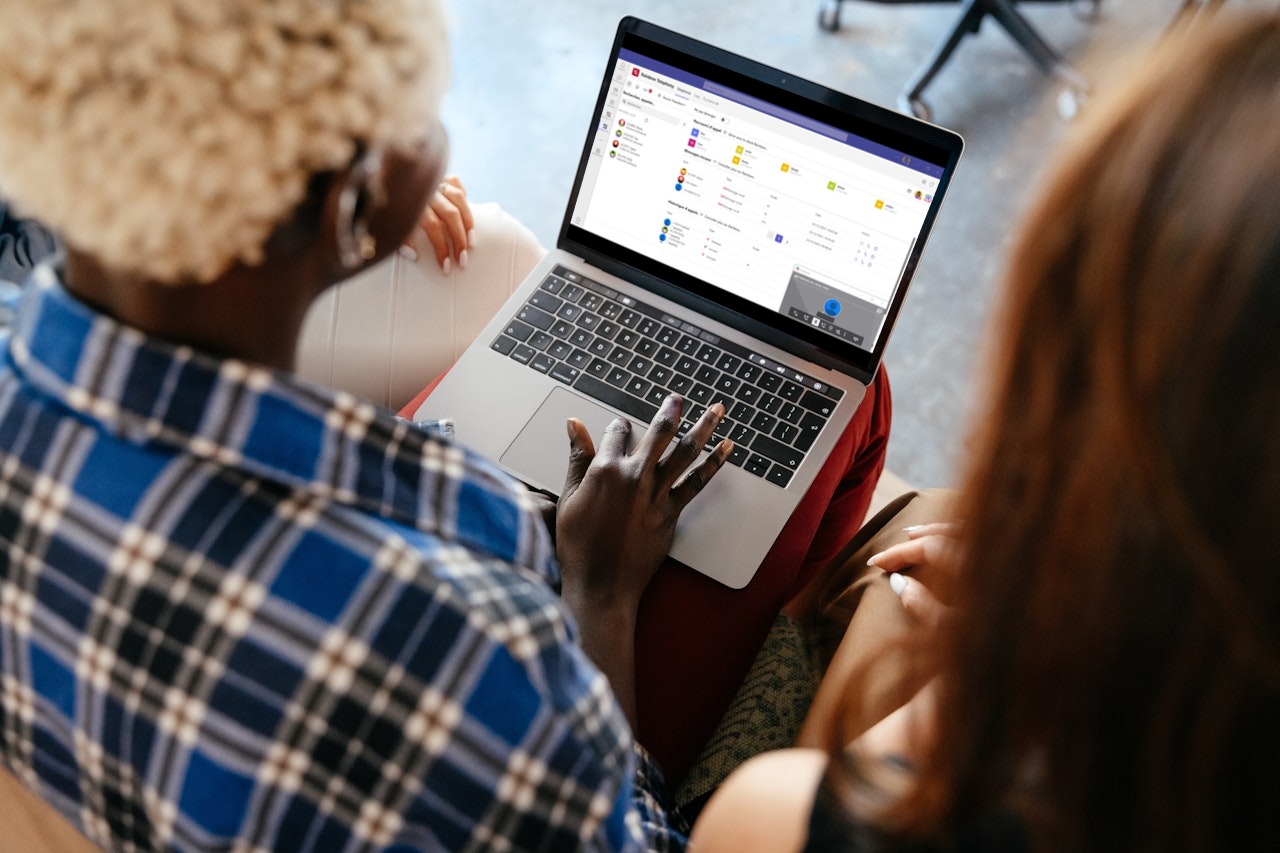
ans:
(1044, 55)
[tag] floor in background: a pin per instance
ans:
(525, 81)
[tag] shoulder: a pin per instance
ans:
(764, 805)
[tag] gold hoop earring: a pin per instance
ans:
(351, 233)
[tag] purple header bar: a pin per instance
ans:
(711, 87)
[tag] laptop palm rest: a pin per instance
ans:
(539, 456)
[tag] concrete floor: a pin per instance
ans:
(525, 81)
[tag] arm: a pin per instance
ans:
(616, 522)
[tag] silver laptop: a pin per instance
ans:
(735, 234)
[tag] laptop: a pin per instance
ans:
(734, 234)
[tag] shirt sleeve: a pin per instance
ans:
(660, 825)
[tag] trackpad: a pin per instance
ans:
(540, 453)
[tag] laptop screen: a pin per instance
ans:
(722, 178)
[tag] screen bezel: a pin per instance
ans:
(908, 135)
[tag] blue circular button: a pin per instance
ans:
(662, 237)
(832, 307)
(679, 187)
(666, 222)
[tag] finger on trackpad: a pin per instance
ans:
(539, 455)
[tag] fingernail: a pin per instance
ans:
(913, 528)
(871, 561)
(408, 252)
(462, 259)
(568, 425)
(897, 583)
(447, 266)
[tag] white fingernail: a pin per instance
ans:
(447, 266)
(462, 259)
(897, 583)
(408, 252)
(913, 528)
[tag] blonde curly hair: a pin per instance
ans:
(169, 138)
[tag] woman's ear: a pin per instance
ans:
(354, 194)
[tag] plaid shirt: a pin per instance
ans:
(240, 611)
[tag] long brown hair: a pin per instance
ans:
(1112, 672)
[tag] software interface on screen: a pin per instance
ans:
(792, 214)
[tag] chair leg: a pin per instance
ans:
(1043, 54)
(912, 101)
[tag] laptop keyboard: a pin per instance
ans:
(629, 355)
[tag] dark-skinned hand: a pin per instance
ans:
(616, 521)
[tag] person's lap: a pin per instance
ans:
(696, 639)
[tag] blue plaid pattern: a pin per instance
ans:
(243, 612)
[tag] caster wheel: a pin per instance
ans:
(1070, 102)
(829, 15)
(1087, 10)
(915, 107)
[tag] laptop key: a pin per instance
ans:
(590, 321)
(742, 434)
(553, 284)
(648, 327)
(749, 372)
(503, 344)
(610, 310)
(591, 302)
(639, 387)
(628, 318)
(770, 381)
(756, 464)
(564, 373)
(791, 391)
(617, 376)
(620, 355)
(542, 363)
(791, 413)
(708, 354)
(742, 412)
(667, 336)
(616, 397)
(559, 350)
(810, 426)
(562, 329)
(600, 347)
(737, 456)
(817, 403)
(666, 356)
(707, 374)
(598, 367)
(639, 365)
(728, 363)
(540, 340)
(569, 312)
(661, 375)
(607, 329)
(681, 384)
(657, 394)
(579, 359)
(688, 345)
(686, 366)
(536, 317)
(523, 353)
(770, 403)
(777, 451)
(647, 347)
(628, 338)
(572, 293)
(519, 331)
(786, 433)
(779, 476)
(546, 301)
(764, 422)
(749, 394)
